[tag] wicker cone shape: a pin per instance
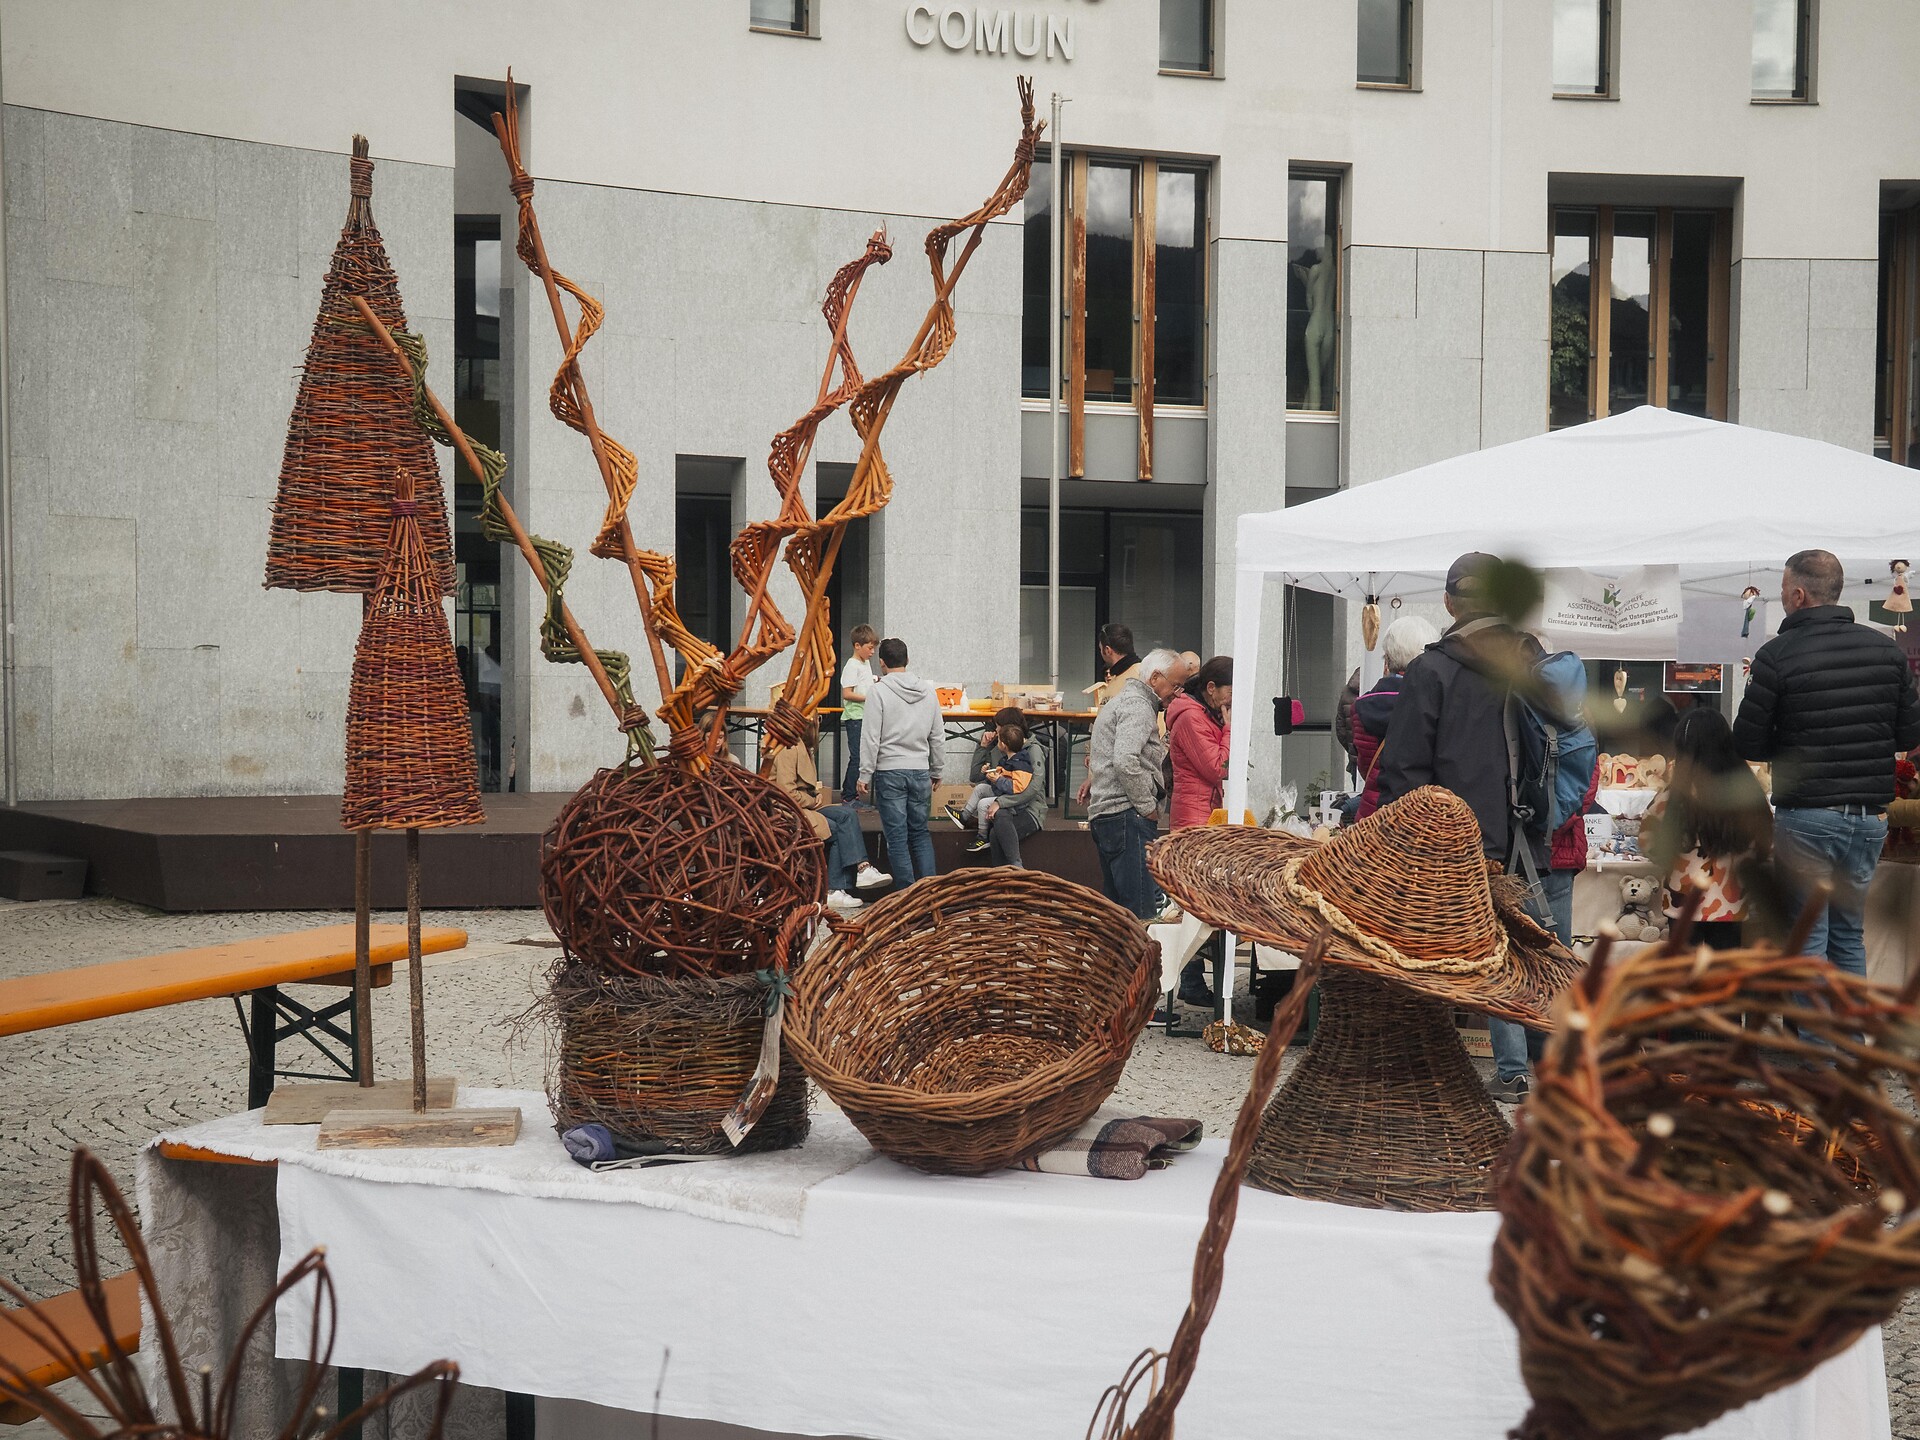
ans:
(974, 1018)
(1710, 1191)
(1406, 893)
(352, 425)
(659, 1058)
(409, 742)
(1385, 1109)
(654, 870)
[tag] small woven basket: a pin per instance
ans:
(1711, 1189)
(655, 1057)
(975, 1018)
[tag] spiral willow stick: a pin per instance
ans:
(758, 545)
(812, 550)
(652, 572)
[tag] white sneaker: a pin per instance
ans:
(841, 900)
(870, 878)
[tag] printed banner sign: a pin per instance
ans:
(1632, 616)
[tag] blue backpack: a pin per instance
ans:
(1552, 747)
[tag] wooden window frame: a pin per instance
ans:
(1409, 53)
(1900, 328)
(1659, 307)
(1145, 170)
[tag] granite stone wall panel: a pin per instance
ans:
(161, 291)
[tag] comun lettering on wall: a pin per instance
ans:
(990, 31)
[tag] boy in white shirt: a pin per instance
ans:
(856, 678)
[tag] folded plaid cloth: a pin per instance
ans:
(1123, 1148)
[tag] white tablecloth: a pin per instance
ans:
(911, 1307)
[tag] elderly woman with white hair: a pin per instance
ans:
(1373, 711)
(1127, 792)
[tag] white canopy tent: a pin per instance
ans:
(1725, 503)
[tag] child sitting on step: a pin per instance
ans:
(1010, 774)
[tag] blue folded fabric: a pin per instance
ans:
(588, 1143)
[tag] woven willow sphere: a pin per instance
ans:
(654, 870)
(1712, 1187)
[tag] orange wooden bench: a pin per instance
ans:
(256, 968)
(68, 1314)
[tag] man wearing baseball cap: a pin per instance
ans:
(1448, 729)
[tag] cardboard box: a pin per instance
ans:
(1026, 697)
(945, 795)
(1475, 1037)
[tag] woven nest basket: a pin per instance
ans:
(652, 869)
(660, 1058)
(1710, 1190)
(974, 1018)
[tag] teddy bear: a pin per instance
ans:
(1641, 917)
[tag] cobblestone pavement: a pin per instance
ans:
(110, 1084)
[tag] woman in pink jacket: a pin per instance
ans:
(1197, 729)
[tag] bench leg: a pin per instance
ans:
(520, 1424)
(277, 1017)
(353, 1394)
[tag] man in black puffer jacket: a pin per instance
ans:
(1830, 704)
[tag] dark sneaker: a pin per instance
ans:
(955, 814)
(1511, 1091)
(1201, 997)
(978, 847)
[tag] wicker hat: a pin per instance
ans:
(1406, 893)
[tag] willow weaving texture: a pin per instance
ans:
(409, 742)
(1712, 1188)
(974, 1018)
(664, 1058)
(352, 426)
(653, 869)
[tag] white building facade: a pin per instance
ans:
(1308, 245)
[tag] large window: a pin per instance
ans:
(1385, 42)
(1313, 291)
(786, 17)
(1582, 47)
(1639, 311)
(1783, 49)
(1139, 567)
(1186, 36)
(1896, 390)
(1134, 292)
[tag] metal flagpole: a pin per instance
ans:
(1053, 409)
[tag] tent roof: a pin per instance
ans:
(1726, 503)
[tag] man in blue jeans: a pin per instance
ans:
(1830, 704)
(901, 742)
(1126, 785)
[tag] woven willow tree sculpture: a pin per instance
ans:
(409, 743)
(352, 424)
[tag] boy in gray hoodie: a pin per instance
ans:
(901, 741)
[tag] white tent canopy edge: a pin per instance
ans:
(1725, 503)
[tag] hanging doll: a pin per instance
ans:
(1751, 598)
(1899, 602)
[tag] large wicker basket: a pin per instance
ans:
(974, 1018)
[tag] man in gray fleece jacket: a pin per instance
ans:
(902, 738)
(1128, 787)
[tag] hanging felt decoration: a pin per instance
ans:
(1899, 601)
(1370, 622)
(1620, 689)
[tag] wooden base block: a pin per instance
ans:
(415, 1129)
(310, 1104)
